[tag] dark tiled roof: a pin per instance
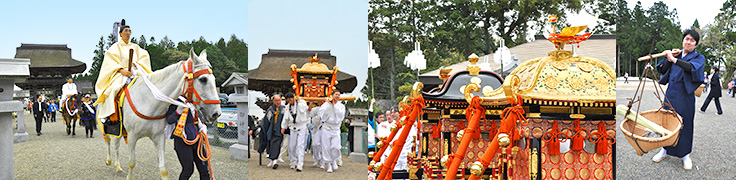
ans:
(273, 73)
(48, 55)
(598, 46)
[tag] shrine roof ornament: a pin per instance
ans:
(313, 66)
(567, 35)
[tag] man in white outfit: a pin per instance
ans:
(401, 162)
(316, 136)
(297, 121)
(67, 90)
(332, 114)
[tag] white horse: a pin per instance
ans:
(171, 81)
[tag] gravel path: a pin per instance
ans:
(54, 155)
(714, 148)
(349, 170)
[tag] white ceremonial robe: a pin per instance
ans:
(110, 81)
(316, 137)
(298, 127)
(332, 116)
(67, 89)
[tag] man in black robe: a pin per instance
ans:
(271, 135)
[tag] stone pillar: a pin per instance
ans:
(21, 135)
(358, 155)
(13, 70)
(240, 150)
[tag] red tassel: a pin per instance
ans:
(460, 125)
(476, 134)
(577, 139)
(602, 144)
(602, 147)
(436, 131)
(493, 130)
(553, 144)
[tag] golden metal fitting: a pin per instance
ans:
(504, 140)
(444, 160)
(460, 134)
(379, 145)
(370, 155)
(476, 169)
(377, 167)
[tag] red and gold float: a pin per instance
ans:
(551, 118)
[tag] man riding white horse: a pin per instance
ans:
(116, 71)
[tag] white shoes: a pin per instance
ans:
(334, 164)
(271, 163)
(316, 164)
(292, 166)
(281, 160)
(659, 156)
(687, 163)
(329, 168)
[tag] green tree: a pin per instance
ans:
(449, 31)
(94, 69)
(718, 41)
(222, 67)
(237, 51)
(644, 31)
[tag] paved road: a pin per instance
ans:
(54, 155)
(714, 144)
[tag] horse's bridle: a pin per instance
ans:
(189, 91)
(74, 105)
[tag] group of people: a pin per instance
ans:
(287, 126)
(381, 128)
(44, 110)
(48, 107)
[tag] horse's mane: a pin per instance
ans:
(160, 74)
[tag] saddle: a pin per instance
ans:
(115, 127)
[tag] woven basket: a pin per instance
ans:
(634, 132)
(700, 89)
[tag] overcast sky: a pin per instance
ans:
(336, 25)
(703, 10)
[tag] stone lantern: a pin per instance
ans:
(239, 150)
(13, 71)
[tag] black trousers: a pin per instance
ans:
(707, 102)
(350, 138)
(188, 159)
(39, 122)
(274, 147)
(53, 116)
(89, 127)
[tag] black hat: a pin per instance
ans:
(123, 26)
(289, 95)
